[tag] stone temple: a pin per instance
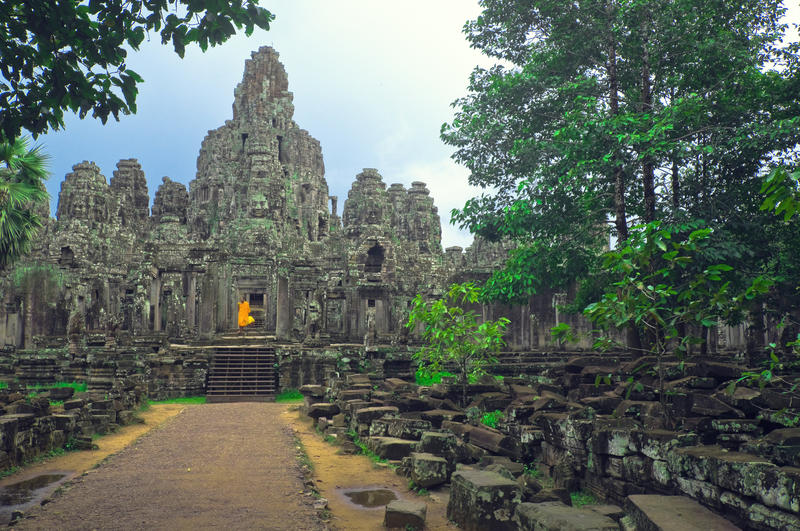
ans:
(257, 221)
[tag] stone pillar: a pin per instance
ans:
(155, 302)
(191, 301)
(283, 310)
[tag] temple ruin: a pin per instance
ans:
(257, 221)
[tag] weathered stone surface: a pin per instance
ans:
(390, 447)
(368, 414)
(322, 409)
(482, 500)
(437, 416)
(405, 515)
(494, 442)
(428, 470)
(673, 513)
(555, 516)
(315, 391)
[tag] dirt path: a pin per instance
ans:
(213, 466)
(335, 473)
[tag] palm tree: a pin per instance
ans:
(22, 175)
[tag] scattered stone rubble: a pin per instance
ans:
(717, 461)
(30, 425)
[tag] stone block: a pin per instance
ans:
(482, 500)
(314, 391)
(75, 403)
(552, 495)
(437, 416)
(355, 379)
(367, 415)
(60, 393)
(405, 428)
(322, 409)
(24, 420)
(428, 470)
(390, 447)
(442, 444)
(614, 512)
(555, 516)
(673, 513)
(405, 515)
(494, 441)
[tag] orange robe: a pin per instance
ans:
(244, 314)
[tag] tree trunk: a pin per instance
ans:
(620, 219)
(648, 170)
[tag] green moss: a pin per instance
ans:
(289, 395)
(180, 400)
(581, 498)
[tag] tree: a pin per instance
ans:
(22, 172)
(58, 55)
(660, 289)
(454, 334)
(611, 113)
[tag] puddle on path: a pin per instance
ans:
(18, 496)
(370, 498)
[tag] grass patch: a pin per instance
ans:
(533, 471)
(55, 452)
(366, 451)
(289, 395)
(491, 418)
(582, 497)
(431, 378)
(419, 491)
(80, 387)
(179, 400)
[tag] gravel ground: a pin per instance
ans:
(213, 466)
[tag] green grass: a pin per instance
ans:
(180, 400)
(430, 378)
(492, 418)
(581, 498)
(80, 387)
(289, 395)
(419, 491)
(366, 451)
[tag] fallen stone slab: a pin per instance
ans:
(407, 428)
(316, 391)
(428, 470)
(390, 447)
(437, 416)
(322, 409)
(652, 512)
(406, 515)
(442, 444)
(614, 512)
(555, 516)
(494, 441)
(368, 414)
(482, 500)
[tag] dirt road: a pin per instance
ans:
(213, 466)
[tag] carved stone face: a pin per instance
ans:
(259, 208)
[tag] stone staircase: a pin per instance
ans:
(242, 373)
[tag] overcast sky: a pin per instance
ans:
(372, 81)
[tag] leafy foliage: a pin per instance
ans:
(454, 334)
(56, 56)
(491, 418)
(22, 174)
(782, 193)
(663, 292)
(659, 110)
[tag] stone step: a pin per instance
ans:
(653, 512)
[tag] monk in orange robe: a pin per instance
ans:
(244, 315)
